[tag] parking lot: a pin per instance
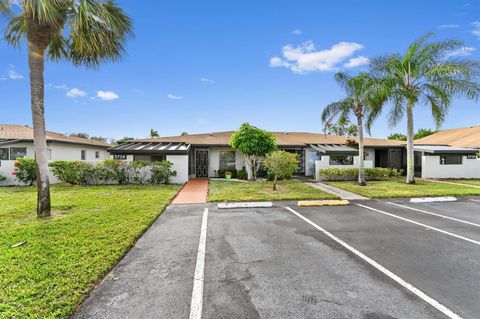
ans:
(370, 259)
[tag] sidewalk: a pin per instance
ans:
(194, 192)
(343, 194)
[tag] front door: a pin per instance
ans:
(201, 163)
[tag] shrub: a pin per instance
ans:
(25, 170)
(111, 170)
(221, 172)
(281, 165)
(2, 178)
(137, 171)
(161, 172)
(73, 172)
(242, 174)
(351, 174)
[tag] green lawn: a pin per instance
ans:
(233, 191)
(67, 254)
(398, 188)
(475, 182)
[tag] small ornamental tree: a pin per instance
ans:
(25, 170)
(281, 164)
(253, 143)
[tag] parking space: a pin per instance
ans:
(378, 260)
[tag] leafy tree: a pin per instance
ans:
(426, 74)
(154, 133)
(423, 132)
(85, 32)
(124, 140)
(341, 128)
(253, 143)
(81, 135)
(362, 101)
(99, 139)
(184, 134)
(281, 164)
(397, 136)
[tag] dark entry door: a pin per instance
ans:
(201, 163)
(395, 158)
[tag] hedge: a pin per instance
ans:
(351, 174)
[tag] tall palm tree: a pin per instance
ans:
(84, 32)
(363, 100)
(427, 74)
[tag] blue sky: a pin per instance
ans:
(203, 66)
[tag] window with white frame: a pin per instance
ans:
(97, 154)
(4, 154)
(341, 160)
(83, 155)
(227, 159)
(17, 152)
(451, 159)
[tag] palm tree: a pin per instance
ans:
(362, 101)
(429, 74)
(85, 32)
(154, 133)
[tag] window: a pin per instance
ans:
(4, 154)
(450, 159)
(227, 159)
(17, 152)
(341, 160)
(83, 155)
(97, 154)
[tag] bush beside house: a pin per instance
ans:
(351, 174)
(281, 165)
(25, 170)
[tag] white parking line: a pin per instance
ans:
(474, 200)
(197, 292)
(446, 311)
(420, 224)
(435, 214)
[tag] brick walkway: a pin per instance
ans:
(194, 192)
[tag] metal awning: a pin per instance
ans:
(443, 149)
(8, 141)
(334, 149)
(150, 148)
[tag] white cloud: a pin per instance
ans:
(297, 32)
(74, 93)
(206, 80)
(60, 86)
(14, 75)
(107, 95)
(358, 61)
(448, 26)
(465, 51)
(305, 58)
(174, 97)
(476, 29)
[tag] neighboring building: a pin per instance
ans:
(17, 141)
(202, 155)
(449, 154)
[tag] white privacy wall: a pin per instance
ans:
(325, 163)
(431, 168)
(180, 165)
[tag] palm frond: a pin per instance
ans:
(5, 7)
(16, 30)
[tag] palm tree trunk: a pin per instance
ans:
(410, 152)
(36, 61)
(361, 166)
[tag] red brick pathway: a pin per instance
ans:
(194, 192)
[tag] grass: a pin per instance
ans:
(398, 188)
(68, 253)
(475, 182)
(231, 191)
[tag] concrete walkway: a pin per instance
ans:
(343, 194)
(194, 192)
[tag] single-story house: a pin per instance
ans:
(202, 155)
(16, 141)
(451, 153)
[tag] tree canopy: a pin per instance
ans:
(251, 140)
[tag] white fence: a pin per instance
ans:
(325, 163)
(431, 168)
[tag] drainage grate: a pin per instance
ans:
(310, 299)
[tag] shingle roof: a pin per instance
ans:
(283, 139)
(457, 137)
(25, 133)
